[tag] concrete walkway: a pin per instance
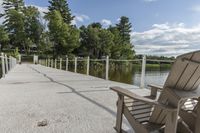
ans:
(70, 102)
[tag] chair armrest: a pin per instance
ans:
(154, 89)
(134, 96)
(158, 87)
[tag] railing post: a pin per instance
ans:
(142, 83)
(45, 62)
(67, 63)
(48, 62)
(20, 59)
(3, 65)
(75, 64)
(6, 62)
(60, 63)
(52, 63)
(10, 62)
(107, 67)
(55, 64)
(15, 61)
(88, 65)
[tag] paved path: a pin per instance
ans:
(70, 102)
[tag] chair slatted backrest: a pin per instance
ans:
(184, 76)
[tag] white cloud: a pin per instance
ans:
(42, 10)
(167, 39)
(196, 8)
(106, 22)
(80, 18)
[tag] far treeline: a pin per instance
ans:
(54, 33)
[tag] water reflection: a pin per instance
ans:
(132, 75)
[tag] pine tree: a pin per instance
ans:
(62, 7)
(13, 4)
(127, 49)
(124, 28)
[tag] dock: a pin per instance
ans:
(69, 102)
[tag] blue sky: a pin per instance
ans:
(160, 27)
(142, 13)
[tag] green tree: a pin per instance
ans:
(127, 48)
(16, 29)
(90, 40)
(124, 28)
(14, 22)
(13, 4)
(3, 37)
(65, 38)
(63, 8)
(33, 27)
(95, 41)
(117, 43)
(105, 42)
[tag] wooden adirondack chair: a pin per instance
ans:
(146, 115)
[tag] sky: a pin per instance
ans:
(160, 27)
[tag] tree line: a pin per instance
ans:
(23, 28)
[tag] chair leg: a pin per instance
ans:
(171, 122)
(120, 105)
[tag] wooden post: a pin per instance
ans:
(67, 63)
(120, 105)
(88, 65)
(60, 63)
(55, 64)
(75, 64)
(6, 62)
(107, 67)
(143, 72)
(3, 65)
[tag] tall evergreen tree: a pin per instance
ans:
(63, 8)
(13, 4)
(124, 28)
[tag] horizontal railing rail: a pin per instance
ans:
(58, 63)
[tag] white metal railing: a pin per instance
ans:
(7, 63)
(53, 64)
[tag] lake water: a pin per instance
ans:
(130, 74)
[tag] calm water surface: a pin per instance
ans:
(130, 74)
